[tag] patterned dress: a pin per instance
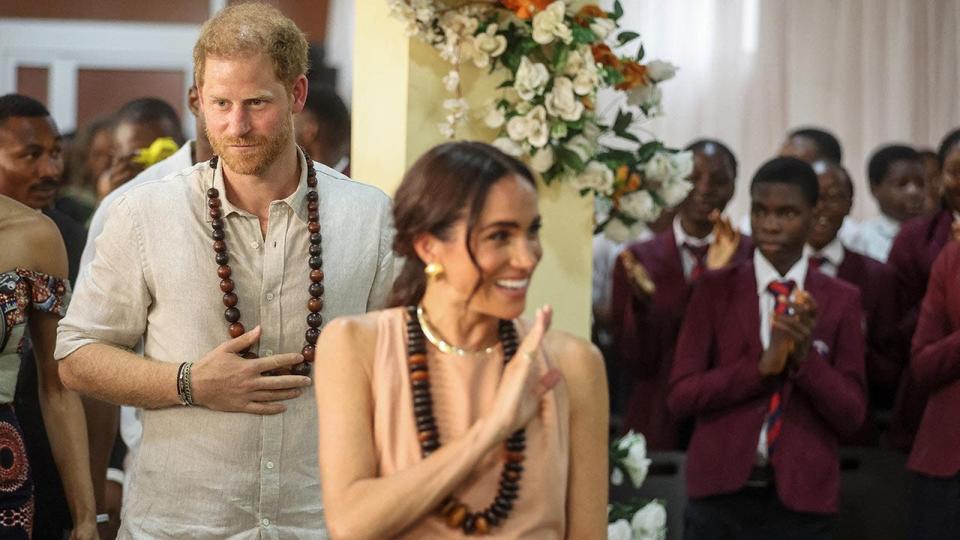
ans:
(21, 292)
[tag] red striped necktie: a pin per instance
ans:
(781, 291)
(816, 262)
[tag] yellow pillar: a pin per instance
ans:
(397, 105)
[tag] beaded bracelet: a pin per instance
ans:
(184, 390)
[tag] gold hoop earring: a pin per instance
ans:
(433, 270)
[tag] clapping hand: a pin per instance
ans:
(725, 242)
(525, 381)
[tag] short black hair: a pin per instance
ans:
(828, 146)
(836, 167)
(792, 171)
(701, 144)
(149, 109)
(329, 110)
(884, 157)
(18, 105)
(946, 145)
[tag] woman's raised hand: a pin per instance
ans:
(524, 381)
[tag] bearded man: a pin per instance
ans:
(227, 271)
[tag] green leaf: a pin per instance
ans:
(527, 45)
(583, 34)
(624, 118)
(506, 83)
(617, 10)
(611, 76)
(570, 159)
(648, 150)
(626, 37)
(641, 53)
(618, 156)
(628, 136)
(560, 58)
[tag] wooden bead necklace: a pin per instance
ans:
(456, 514)
(314, 305)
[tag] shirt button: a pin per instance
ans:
(269, 296)
(265, 521)
(254, 244)
(269, 464)
(268, 352)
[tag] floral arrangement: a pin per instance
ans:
(638, 519)
(554, 56)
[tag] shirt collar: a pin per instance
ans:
(296, 200)
(887, 226)
(766, 273)
(832, 252)
(683, 238)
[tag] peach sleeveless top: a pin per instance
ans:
(463, 389)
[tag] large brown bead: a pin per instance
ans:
(231, 314)
(302, 368)
(313, 206)
(219, 246)
(311, 335)
(223, 272)
(226, 285)
(229, 299)
(313, 227)
(315, 305)
(213, 193)
(222, 258)
(214, 203)
(236, 330)
(316, 276)
(314, 320)
(308, 352)
(480, 525)
(456, 516)
(215, 213)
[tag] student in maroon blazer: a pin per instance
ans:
(772, 380)
(646, 325)
(884, 363)
(935, 367)
(912, 256)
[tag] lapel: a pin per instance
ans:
(816, 284)
(939, 235)
(852, 269)
(746, 307)
(671, 255)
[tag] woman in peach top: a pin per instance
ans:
(445, 415)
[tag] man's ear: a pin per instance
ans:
(299, 92)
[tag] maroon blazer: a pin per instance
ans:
(884, 362)
(715, 378)
(911, 257)
(935, 368)
(646, 334)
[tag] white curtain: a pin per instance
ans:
(870, 71)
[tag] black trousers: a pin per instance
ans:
(935, 508)
(752, 514)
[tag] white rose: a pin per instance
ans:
(659, 168)
(561, 100)
(682, 164)
(640, 205)
(531, 78)
(596, 176)
(539, 132)
(542, 160)
(453, 22)
(674, 191)
(575, 62)
(494, 118)
(616, 476)
(619, 530)
(617, 231)
(456, 107)
(659, 71)
(451, 80)
(582, 146)
(548, 24)
(586, 81)
(648, 95)
(602, 27)
(518, 128)
(488, 45)
(508, 147)
(650, 521)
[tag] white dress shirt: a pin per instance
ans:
(874, 237)
(209, 474)
(766, 274)
(832, 255)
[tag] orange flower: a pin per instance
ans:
(588, 12)
(605, 56)
(587, 102)
(525, 8)
(622, 172)
(634, 74)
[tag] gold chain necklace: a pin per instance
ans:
(438, 342)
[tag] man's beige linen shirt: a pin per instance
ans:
(202, 473)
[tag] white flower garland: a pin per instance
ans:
(554, 57)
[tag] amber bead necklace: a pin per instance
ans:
(314, 305)
(455, 513)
